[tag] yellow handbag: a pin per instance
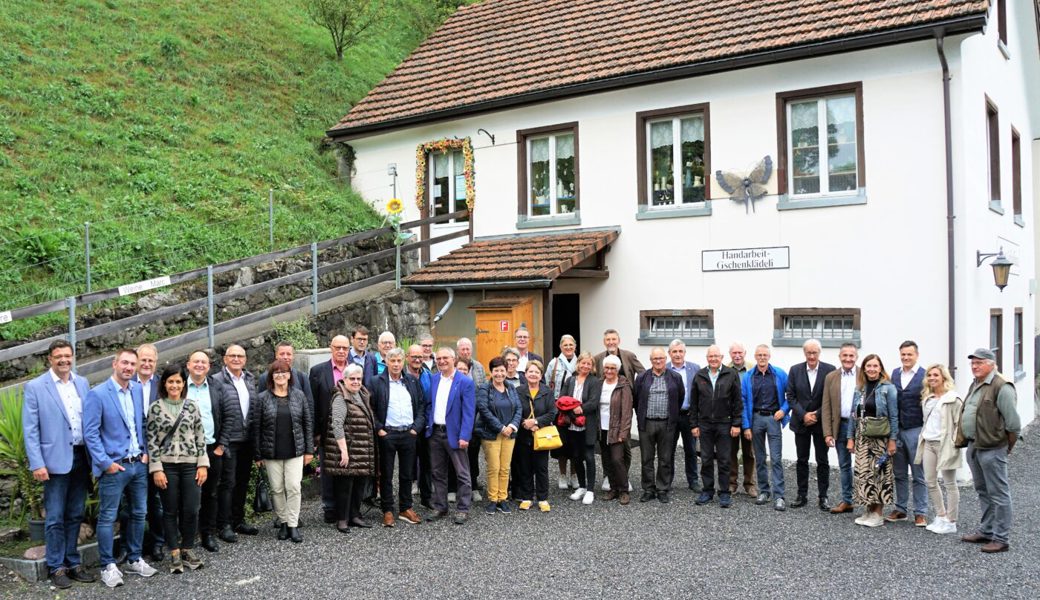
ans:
(546, 438)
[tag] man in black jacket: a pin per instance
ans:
(206, 392)
(239, 389)
(657, 396)
(805, 396)
(399, 409)
(716, 410)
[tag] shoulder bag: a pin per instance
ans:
(874, 427)
(546, 438)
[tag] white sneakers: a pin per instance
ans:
(588, 498)
(112, 576)
(139, 567)
(574, 481)
(870, 519)
(477, 497)
(942, 526)
(578, 494)
(606, 485)
(562, 482)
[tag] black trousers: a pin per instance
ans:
(181, 501)
(350, 491)
(617, 460)
(209, 507)
(399, 444)
(689, 444)
(425, 476)
(813, 436)
(583, 457)
(531, 467)
(236, 489)
(715, 446)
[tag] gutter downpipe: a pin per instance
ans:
(447, 305)
(950, 297)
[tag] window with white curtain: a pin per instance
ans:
(675, 162)
(448, 183)
(551, 178)
(822, 146)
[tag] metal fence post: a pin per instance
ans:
(270, 216)
(86, 246)
(209, 305)
(71, 303)
(314, 278)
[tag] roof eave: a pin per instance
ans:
(870, 40)
(515, 284)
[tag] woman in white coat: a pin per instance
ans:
(936, 449)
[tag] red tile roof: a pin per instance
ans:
(529, 259)
(498, 50)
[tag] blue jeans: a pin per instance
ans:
(990, 477)
(64, 498)
(765, 428)
(110, 490)
(906, 449)
(844, 461)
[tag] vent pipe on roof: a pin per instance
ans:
(447, 305)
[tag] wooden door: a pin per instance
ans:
(494, 331)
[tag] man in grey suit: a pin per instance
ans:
(52, 426)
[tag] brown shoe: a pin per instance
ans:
(751, 490)
(410, 516)
(895, 515)
(920, 521)
(994, 547)
(842, 507)
(625, 498)
(975, 538)
(611, 495)
(388, 519)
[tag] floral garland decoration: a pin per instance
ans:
(443, 146)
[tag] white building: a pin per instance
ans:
(596, 128)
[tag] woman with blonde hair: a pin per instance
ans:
(942, 417)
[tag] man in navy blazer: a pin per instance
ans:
(147, 361)
(113, 427)
(805, 397)
(686, 370)
(52, 427)
(449, 425)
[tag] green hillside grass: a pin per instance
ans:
(165, 124)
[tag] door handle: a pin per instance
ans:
(480, 331)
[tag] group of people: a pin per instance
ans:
(178, 446)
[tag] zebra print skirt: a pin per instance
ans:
(870, 484)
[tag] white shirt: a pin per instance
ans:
(399, 405)
(440, 405)
(243, 393)
(906, 376)
(681, 370)
(812, 376)
(146, 393)
(521, 364)
(848, 386)
(933, 425)
(73, 406)
(604, 405)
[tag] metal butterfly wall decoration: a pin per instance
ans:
(750, 188)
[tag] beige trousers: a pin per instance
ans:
(953, 496)
(285, 477)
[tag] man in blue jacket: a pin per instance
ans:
(52, 427)
(113, 428)
(449, 426)
(765, 415)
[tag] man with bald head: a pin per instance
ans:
(716, 412)
(464, 349)
(765, 414)
(240, 390)
(805, 384)
(216, 412)
(323, 378)
(741, 446)
(657, 396)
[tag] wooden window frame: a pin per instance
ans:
(779, 314)
(997, 349)
(784, 98)
(1016, 176)
(1019, 344)
(642, 162)
(646, 316)
(522, 200)
(993, 153)
(1001, 9)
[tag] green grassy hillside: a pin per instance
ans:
(165, 124)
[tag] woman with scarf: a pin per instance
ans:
(558, 371)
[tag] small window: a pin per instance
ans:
(549, 177)
(448, 184)
(996, 336)
(1001, 8)
(660, 327)
(672, 157)
(1016, 176)
(1019, 358)
(831, 326)
(993, 149)
(821, 146)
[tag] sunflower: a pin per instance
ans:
(394, 206)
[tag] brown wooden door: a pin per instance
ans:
(494, 332)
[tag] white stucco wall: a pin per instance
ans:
(886, 257)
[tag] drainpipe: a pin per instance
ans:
(950, 299)
(447, 305)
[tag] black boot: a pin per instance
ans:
(294, 535)
(283, 532)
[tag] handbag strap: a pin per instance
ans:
(169, 434)
(531, 402)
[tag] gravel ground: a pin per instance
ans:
(677, 550)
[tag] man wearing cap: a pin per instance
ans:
(990, 425)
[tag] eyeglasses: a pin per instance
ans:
(280, 374)
(340, 348)
(234, 356)
(353, 379)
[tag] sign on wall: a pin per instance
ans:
(746, 259)
(503, 326)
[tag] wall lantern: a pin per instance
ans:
(1001, 266)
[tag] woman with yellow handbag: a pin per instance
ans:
(532, 466)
